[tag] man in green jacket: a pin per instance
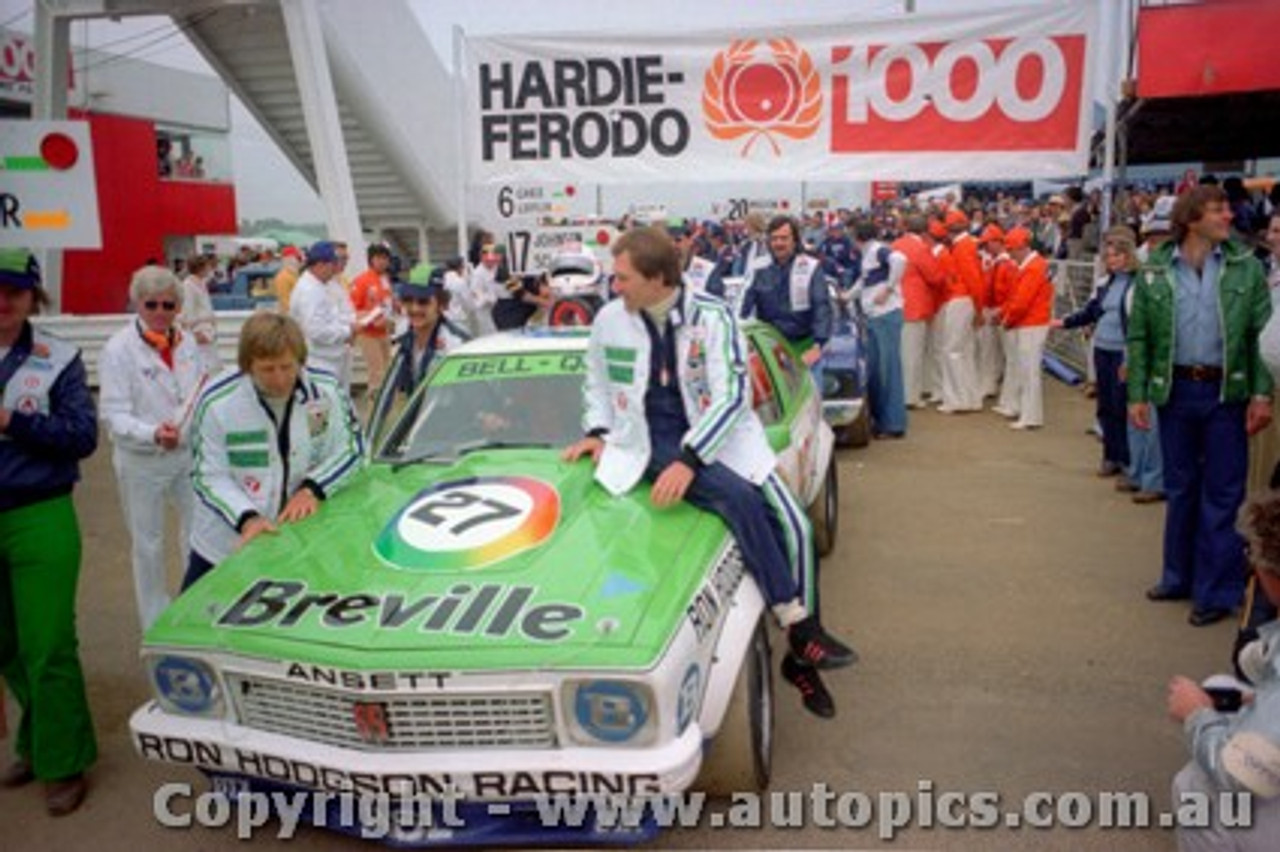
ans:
(1199, 305)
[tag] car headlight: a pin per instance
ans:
(185, 686)
(611, 712)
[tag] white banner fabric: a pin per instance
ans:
(996, 94)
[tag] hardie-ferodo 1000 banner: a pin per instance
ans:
(980, 95)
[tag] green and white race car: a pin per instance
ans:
(473, 619)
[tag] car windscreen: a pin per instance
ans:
(470, 402)
(573, 265)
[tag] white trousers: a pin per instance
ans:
(960, 391)
(147, 484)
(1008, 402)
(915, 340)
(1029, 341)
(933, 358)
(990, 358)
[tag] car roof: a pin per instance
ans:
(536, 340)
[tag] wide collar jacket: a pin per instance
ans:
(711, 366)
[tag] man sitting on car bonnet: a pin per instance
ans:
(677, 414)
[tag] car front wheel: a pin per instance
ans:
(740, 758)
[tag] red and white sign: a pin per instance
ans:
(18, 67)
(995, 94)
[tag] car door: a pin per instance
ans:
(796, 434)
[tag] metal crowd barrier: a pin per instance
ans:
(90, 332)
(1073, 282)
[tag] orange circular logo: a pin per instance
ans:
(744, 97)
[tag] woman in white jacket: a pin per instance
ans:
(150, 373)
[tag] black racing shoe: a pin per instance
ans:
(817, 647)
(813, 692)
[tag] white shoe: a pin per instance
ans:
(1018, 424)
(946, 409)
(1004, 412)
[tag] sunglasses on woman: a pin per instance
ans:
(154, 304)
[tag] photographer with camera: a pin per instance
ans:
(1238, 751)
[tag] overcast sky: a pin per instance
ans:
(267, 185)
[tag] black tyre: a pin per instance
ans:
(740, 758)
(857, 433)
(824, 512)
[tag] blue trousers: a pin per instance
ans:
(1206, 463)
(884, 368)
(1146, 465)
(1113, 407)
(770, 527)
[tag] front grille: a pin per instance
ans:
(395, 722)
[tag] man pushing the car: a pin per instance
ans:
(667, 401)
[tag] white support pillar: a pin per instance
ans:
(1116, 69)
(52, 47)
(324, 127)
(460, 120)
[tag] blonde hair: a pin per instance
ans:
(267, 334)
(1122, 239)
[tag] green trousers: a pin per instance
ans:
(39, 657)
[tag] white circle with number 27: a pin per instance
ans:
(464, 517)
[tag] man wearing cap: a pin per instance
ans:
(371, 298)
(430, 332)
(47, 424)
(1199, 305)
(325, 314)
(789, 291)
(1026, 315)
(1002, 276)
(921, 277)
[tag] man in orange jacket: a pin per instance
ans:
(1027, 314)
(1002, 274)
(959, 382)
(923, 276)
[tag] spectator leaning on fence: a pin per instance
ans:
(1107, 314)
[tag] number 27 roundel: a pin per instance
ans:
(464, 524)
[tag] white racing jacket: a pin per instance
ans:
(711, 366)
(138, 392)
(1241, 751)
(244, 463)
